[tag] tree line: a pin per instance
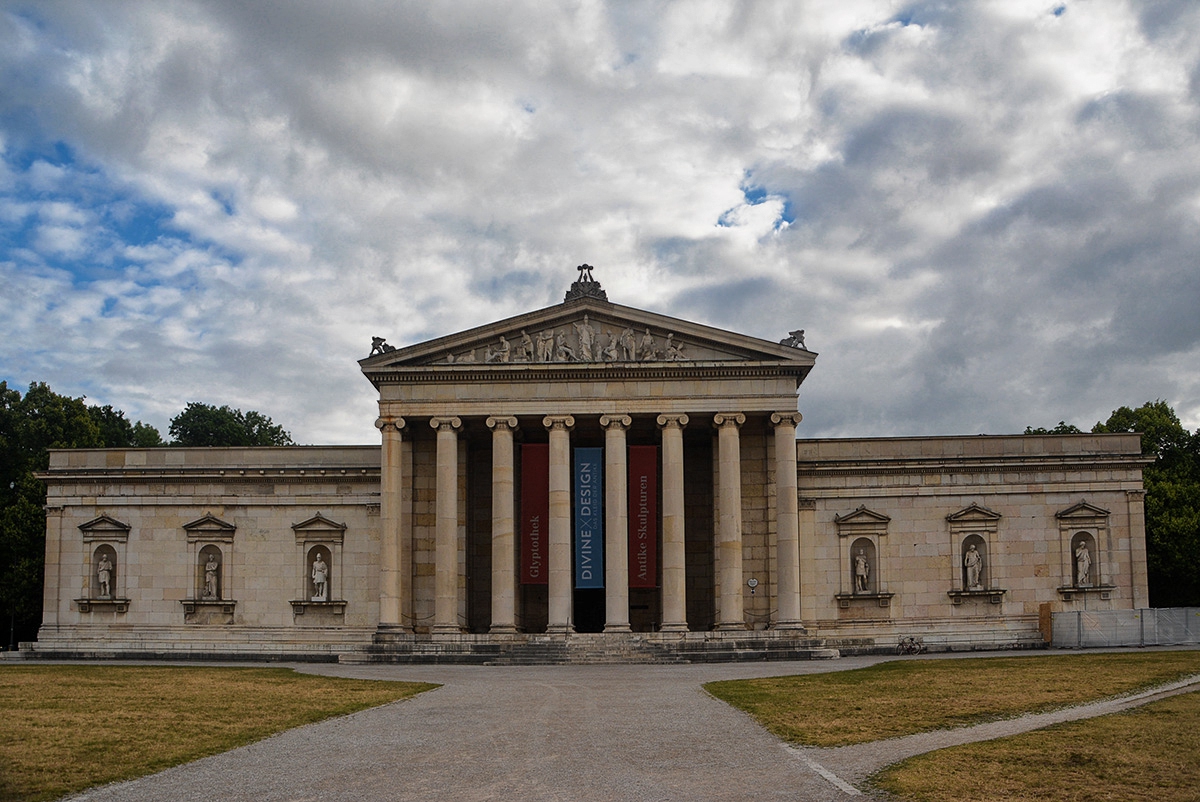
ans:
(41, 419)
(1172, 485)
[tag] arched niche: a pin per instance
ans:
(864, 566)
(319, 562)
(104, 573)
(210, 570)
(973, 560)
(1085, 558)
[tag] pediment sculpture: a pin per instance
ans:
(583, 340)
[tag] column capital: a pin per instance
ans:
(672, 421)
(728, 419)
(559, 422)
(452, 423)
(786, 418)
(390, 422)
(1135, 495)
(501, 422)
(615, 421)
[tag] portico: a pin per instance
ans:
(700, 410)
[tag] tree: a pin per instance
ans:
(1172, 485)
(117, 432)
(206, 425)
(1062, 428)
(30, 426)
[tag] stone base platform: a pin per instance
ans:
(592, 648)
(361, 645)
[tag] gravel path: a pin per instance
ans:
(551, 733)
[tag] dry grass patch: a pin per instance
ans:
(1151, 754)
(905, 697)
(66, 728)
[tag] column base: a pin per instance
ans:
(502, 629)
(790, 626)
(674, 627)
(731, 626)
(617, 628)
(395, 629)
(560, 629)
(446, 629)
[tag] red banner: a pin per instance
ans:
(535, 513)
(643, 516)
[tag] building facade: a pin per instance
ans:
(588, 472)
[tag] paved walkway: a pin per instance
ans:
(540, 733)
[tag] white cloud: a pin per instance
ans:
(995, 206)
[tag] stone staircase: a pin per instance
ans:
(589, 649)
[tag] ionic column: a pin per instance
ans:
(616, 523)
(504, 549)
(445, 606)
(674, 564)
(393, 568)
(787, 521)
(561, 586)
(729, 526)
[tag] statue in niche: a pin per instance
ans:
(795, 339)
(674, 352)
(380, 346)
(1083, 565)
(562, 351)
(862, 572)
(973, 562)
(320, 579)
(210, 577)
(587, 340)
(545, 347)
(647, 349)
(628, 346)
(104, 572)
(525, 354)
(611, 351)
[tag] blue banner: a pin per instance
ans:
(589, 518)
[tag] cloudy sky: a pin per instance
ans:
(986, 215)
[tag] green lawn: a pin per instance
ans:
(67, 728)
(1150, 754)
(907, 696)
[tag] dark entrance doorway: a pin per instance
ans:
(589, 610)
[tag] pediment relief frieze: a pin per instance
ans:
(586, 329)
(585, 340)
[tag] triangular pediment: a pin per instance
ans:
(974, 512)
(209, 523)
(105, 524)
(861, 516)
(318, 523)
(1082, 510)
(589, 331)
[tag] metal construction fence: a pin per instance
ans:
(1152, 626)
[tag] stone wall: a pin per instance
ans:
(919, 501)
(160, 513)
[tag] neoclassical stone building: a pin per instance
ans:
(588, 474)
